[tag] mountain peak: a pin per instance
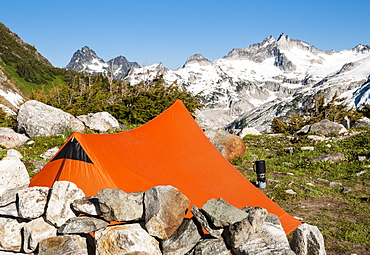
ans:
(197, 58)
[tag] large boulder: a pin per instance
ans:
(100, 121)
(362, 122)
(230, 146)
(165, 208)
(38, 119)
(11, 139)
(327, 127)
(126, 239)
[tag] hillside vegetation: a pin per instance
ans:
(333, 196)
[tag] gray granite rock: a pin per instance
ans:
(183, 240)
(82, 224)
(221, 213)
(307, 240)
(117, 205)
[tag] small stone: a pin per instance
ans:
(346, 190)
(291, 192)
(361, 158)
(361, 173)
(307, 148)
(335, 184)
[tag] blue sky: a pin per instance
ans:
(170, 31)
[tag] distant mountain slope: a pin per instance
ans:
(86, 60)
(249, 86)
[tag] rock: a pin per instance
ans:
(38, 119)
(100, 121)
(249, 131)
(14, 253)
(307, 240)
(362, 158)
(10, 234)
(9, 210)
(165, 208)
(10, 139)
(237, 233)
(63, 245)
(291, 192)
(256, 216)
(345, 190)
(32, 202)
(211, 247)
(333, 157)
(49, 153)
(269, 239)
(208, 225)
(317, 138)
(126, 239)
(327, 127)
(307, 148)
(230, 146)
(362, 122)
(38, 165)
(304, 130)
(289, 150)
(361, 173)
(183, 240)
(87, 205)
(13, 177)
(346, 122)
(14, 154)
(117, 205)
(83, 224)
(335, 184)
(36, 231)
(221, 213)
(59, 207)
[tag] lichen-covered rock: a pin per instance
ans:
(307, 240)
(117, 205)
(13, 177)
(183, 240)
(10, 234)
(269, 239)
(87, 205)
(165, 208)
(221, 213)
(59, 206)
(36, 231)
(82, 225)
(211, 247)
(126, 239)
(32, 202)
(230, 146)
(63, 245)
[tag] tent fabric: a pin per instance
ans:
(171, 149)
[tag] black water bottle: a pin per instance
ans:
(260, 168)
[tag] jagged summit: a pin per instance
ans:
(199, 59)
(86, 60)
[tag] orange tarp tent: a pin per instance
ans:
(171, 149)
